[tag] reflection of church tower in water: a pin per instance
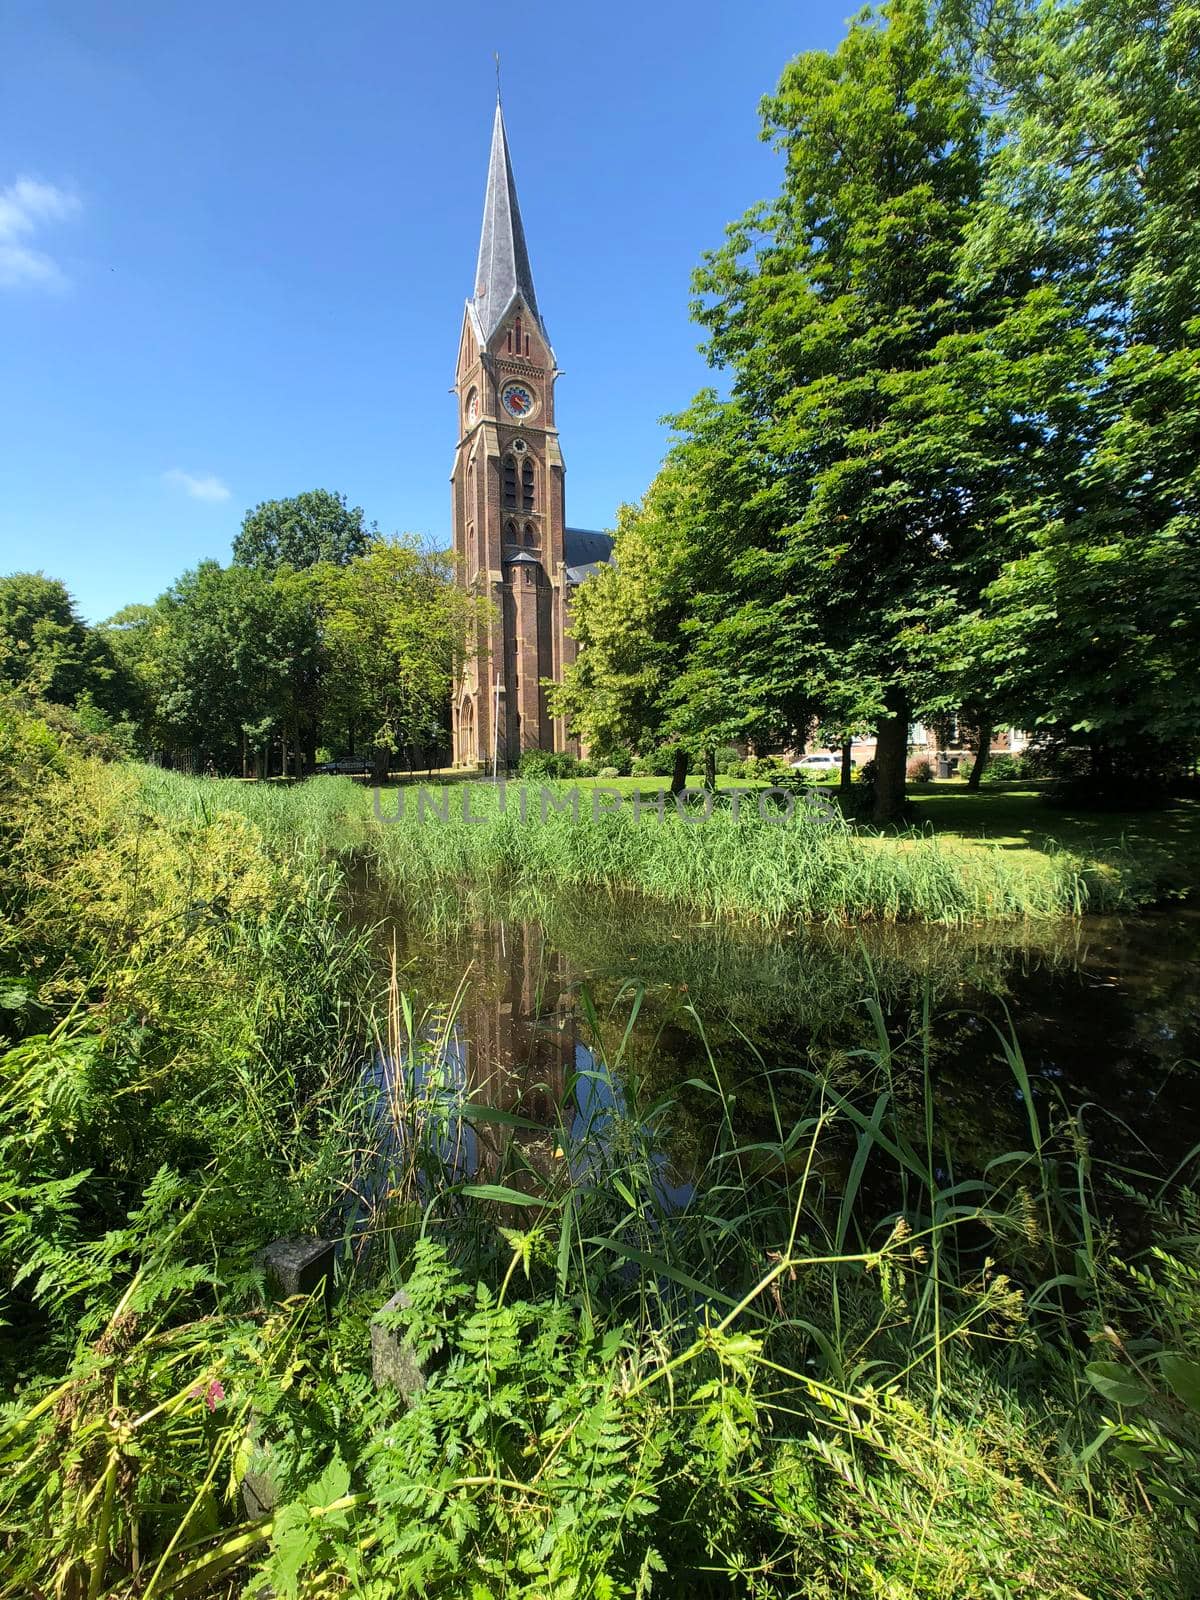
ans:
(508, 499)
(517, 1026)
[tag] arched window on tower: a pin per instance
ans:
(529, 535)
(510, 532)
(510, 483)
(517, 331)
(527, 485)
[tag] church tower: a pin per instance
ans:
(507, 493)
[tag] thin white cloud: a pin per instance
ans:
(209, 488)
(25, 207)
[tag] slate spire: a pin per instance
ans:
(503, 256)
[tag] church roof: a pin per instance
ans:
(503, 270)
(585, 550)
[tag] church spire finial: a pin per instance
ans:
(503, 270)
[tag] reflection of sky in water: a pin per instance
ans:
(599, 1108)
(437, 1081)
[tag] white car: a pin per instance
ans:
(819, 763)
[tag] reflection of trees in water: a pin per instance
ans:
(1104, 1010)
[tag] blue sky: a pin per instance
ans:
(235, 242)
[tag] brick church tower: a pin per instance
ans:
(508, 506)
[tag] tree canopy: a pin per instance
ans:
(397, 628)
(957, 465)
(46, 649)
(302, 531)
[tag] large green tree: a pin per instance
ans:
(307, 529)
(665, 657)
(226, 649)
(862, 359)
(46, 649)
(396, 627)
(1093, 632)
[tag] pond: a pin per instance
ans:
(546, 1006)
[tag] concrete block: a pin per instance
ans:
(393, 1361)
(298, 1266)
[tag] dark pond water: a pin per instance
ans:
(1106, 1013)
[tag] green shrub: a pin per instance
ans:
(30, 753)
(608, 772)
(1002, 768)
(547, 764)
(659, 763)
(1051, 758)
(84, 730)
(766, 769)
(618, 757)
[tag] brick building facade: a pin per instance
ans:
(508, 496)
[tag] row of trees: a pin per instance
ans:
(319, 632)
(958, 465)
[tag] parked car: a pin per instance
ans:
(349, 766)
(819, 763)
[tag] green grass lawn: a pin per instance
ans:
(1016, 816)
(1012, 814)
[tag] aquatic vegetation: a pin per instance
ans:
(464, 843)
(836, 1356)
(772, 869)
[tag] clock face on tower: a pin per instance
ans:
(518, 399)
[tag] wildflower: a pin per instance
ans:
(213, 1394)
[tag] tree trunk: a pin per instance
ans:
(381, 761)
(847, 771)
(710, 769)
(983, 750)
(891, 753)
(679, 775)
(245, 756)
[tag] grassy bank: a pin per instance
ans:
(840, 1365)
(968, 859)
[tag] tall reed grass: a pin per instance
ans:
(774, 871)
(463, 846)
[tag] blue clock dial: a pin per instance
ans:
(518, 399)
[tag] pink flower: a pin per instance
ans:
(215, 1392)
